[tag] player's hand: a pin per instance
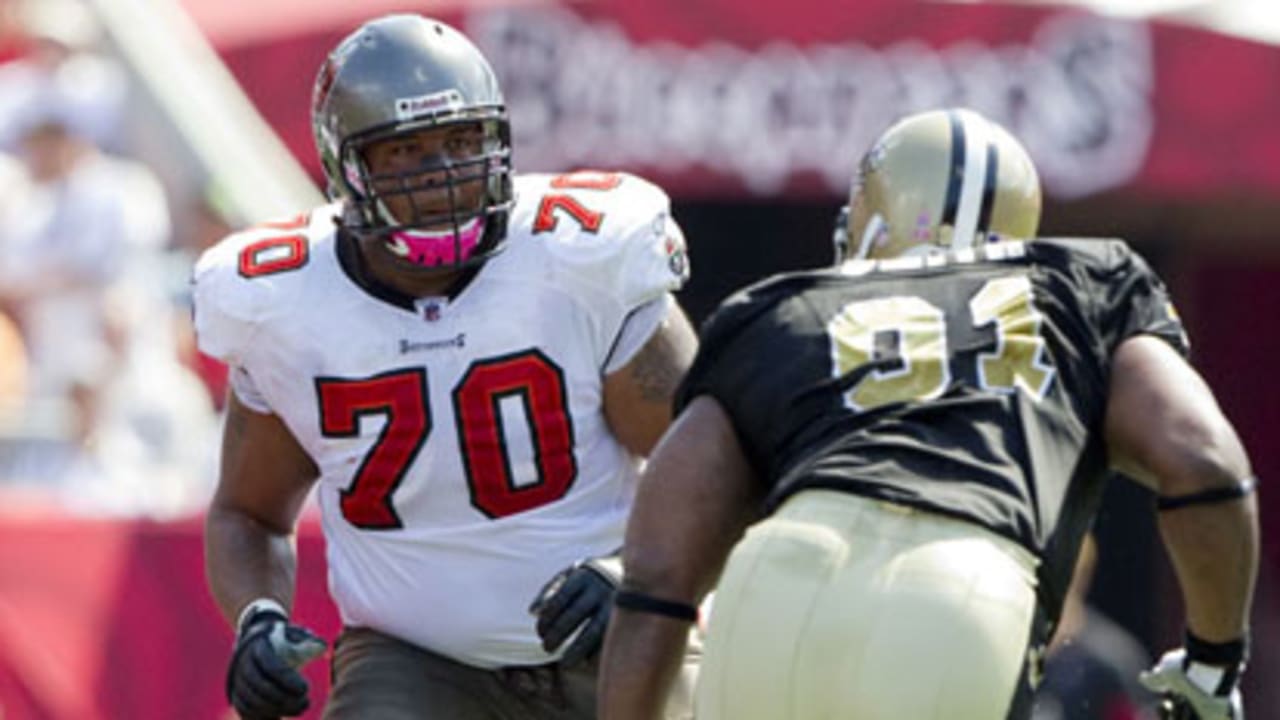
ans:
(263, 680)
(1183, 698)
(578, 597)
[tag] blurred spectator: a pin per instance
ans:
(113, 418)
(207, 221)
(13, 37)
(60, 62)
(13, 371)
(77, 222)
(1091, 670)
(149, 438)
(73, 215)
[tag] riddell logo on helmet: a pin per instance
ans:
(413, 107)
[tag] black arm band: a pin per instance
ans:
(1207, 497)
(639, 602)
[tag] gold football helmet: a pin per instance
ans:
(939, 180)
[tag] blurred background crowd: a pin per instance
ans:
(134, 133)
(102, 403)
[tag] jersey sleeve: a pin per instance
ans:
(732, 356)
(723, 363)
(226, 305)
(637, 253)
(655, 259)
(636, 331)
(620, 251)
(1134, 301)
(653, 264)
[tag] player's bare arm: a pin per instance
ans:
(249, 530)
(696, 498)
(638, 396)
(1163, 419)
(577, 602)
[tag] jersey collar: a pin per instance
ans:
(353, 264)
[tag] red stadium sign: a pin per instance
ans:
(720, 99)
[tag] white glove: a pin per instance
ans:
(1185, 699)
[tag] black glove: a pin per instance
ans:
(263, 681)
(580, 596)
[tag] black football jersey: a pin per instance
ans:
(971, 384)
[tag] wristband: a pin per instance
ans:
(639, 602)
(263, 604)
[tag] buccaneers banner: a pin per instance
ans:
(715, 98)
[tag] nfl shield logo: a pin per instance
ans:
(677, 261)
(431, 311)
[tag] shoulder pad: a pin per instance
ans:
(1098, 251)
(1129, 295)
(610, 231)
(237, 283)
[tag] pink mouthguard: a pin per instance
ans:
(436, 248)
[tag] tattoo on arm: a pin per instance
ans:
(655, 375)
(660, 365)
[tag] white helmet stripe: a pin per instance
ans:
(975, 135)
(874, 226)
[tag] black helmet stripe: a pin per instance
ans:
(955, 178)
(971, 142)
(989, 187)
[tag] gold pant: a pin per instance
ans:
(849, 608)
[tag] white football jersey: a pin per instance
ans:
(463, 450)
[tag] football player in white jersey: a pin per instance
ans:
(468, 366)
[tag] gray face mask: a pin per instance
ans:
(403, 74)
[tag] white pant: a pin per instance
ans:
(848, 608)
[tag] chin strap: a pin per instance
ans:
(1207, 497)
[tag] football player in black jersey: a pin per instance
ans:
(888, 466)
